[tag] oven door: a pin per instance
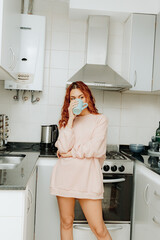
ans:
(116, 204)
(117, 232)
(117, 200)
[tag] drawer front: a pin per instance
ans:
(117, 231)
(11, 203)
(154, 223)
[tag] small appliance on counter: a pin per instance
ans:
(49, 135)
(3, 131)
(154, 144)
(158, 133)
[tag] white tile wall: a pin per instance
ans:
(59, 59)
(76, 60)
(58, 77)
(133, 118)
(60, 41)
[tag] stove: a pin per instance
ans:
(117, 163)
(117, 172)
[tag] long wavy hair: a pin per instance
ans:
(88, 95)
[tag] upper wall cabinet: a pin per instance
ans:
(104, 7)
(138, 49)
(9, 37)
(156, 68)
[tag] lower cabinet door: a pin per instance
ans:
(117, 232)
(31, 207)
(154, 223)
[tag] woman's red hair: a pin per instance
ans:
(88, 95)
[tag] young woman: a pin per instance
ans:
(81, 151)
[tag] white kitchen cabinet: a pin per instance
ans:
(11, 214)
(154, 206)
(9, 37)
(30, 208)
(146, 213)
(156, 69)
(105, 7)
(47, 224)
(154, 223)
(17, 210)
(138, 49)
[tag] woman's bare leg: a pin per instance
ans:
(66, 210)
(92, 210)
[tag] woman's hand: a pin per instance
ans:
(72, 104)
(58, 154)
(72, 116)
(64, 155)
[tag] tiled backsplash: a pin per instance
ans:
(133, 117)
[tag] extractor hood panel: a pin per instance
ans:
(96, 73)
(100, 77)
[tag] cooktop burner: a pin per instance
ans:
(115, 155)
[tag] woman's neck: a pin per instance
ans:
(84, 112)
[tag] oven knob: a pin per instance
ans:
(114, 168)
(121, 168)
(106, 168)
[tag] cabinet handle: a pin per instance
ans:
(81, 227)
(135, 78)
(156, 194)
(156, 220)
(114, 180)
(30, 193)
(12, 57)
(145, 194)
(29, 205)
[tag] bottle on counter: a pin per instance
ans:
(158, 133)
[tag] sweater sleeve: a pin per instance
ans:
(65, 139)
(96, 146)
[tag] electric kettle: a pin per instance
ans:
(49, 135)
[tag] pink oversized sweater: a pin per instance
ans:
(80, 176)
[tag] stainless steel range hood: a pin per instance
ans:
(96, 73)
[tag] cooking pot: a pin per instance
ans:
(136, 148)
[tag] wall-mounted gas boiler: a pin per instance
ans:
(31, 59)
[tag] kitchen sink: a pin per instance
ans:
(10, 161)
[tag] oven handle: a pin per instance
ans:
(114, 180)
(81, 227)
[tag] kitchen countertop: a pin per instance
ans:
(151, 164)
(17, 178)
(144, 159)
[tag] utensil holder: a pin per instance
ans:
(3, 131)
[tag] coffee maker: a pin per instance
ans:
(49, 135)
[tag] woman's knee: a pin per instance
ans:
(67, 222)
(100, 230)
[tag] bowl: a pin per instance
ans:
(136, 148)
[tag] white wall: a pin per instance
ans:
(133, 118)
